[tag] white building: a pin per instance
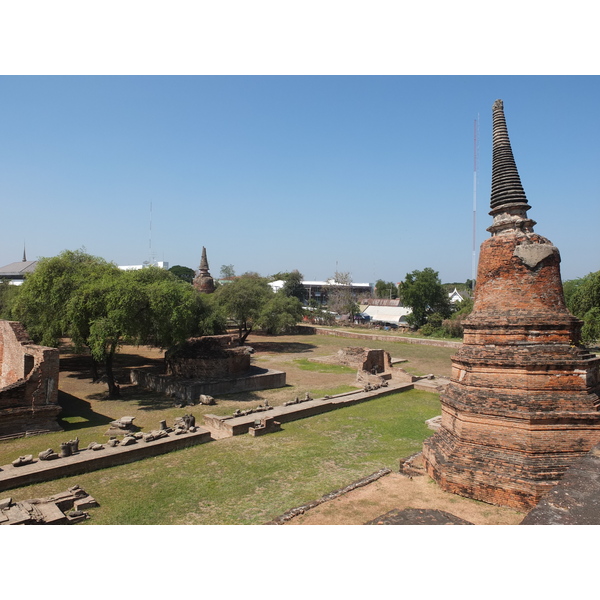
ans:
(383, 310)
(317, 290)
(161, 264)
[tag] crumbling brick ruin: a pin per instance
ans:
(203, 282)
(365, 359)
(28, 384)
(523, 402)
(208, 357)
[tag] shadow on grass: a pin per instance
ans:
(282, 347)
(80, 366)
(251, 396)
(78, 414)
(148, 400)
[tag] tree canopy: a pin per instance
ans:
(293, 287)
(8, 294)
(242, 301)
(42, 300)
(386, 289)
(101, 307)
(250, 302)
(149, 306)
(280, 314)
(340, 298)
(583, 300)
(183, 273)
(423, 293)
(227, 272)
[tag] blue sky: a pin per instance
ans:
(367, 174)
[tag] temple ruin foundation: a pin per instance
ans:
(28, 384)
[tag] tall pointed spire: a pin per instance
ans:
(203, 260)
(508, 201)
(522, 387)
(203, 282)
(506, 183)
(24, 255)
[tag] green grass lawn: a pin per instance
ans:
(422, 359)
(394, 332)
(311, 365)
(247, 480)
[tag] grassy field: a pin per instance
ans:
(246, 480)
(310, 365)
(401, 332)
(239, 480)
(422, 359)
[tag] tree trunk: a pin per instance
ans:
(244, 336)
(94, 368)
(113, 389)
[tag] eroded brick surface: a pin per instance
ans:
(523, 402)
(29, 383)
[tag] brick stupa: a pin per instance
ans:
(524, 398)
(203, 282)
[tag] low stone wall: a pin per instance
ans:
(208, 357)
(365, 359)
(230, 426)
(190, 389)
(385, 338)
(92, 460)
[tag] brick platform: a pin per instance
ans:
(191, 389)
(230, 426)
(91, 460)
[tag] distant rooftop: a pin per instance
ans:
(17, 269)
(161, 264)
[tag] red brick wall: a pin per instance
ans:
(28, 401)
(524, 397)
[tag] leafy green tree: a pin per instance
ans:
(183, 273)
(8, 295)
(148, 306)
(385, 289)
(463, 309)
(280, 314)
(101, 307)
(280, 276)
(42, 300)
(293, 287)
(583, 300)
(423, 293)
(227, 272)
(340, 298)
(242, 301)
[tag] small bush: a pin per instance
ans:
(453, 327)
(427, 329)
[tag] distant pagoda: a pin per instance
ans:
(203, 281)
(523, 402)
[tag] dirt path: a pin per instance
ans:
(399, 491)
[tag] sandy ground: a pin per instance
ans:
(398, 491)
